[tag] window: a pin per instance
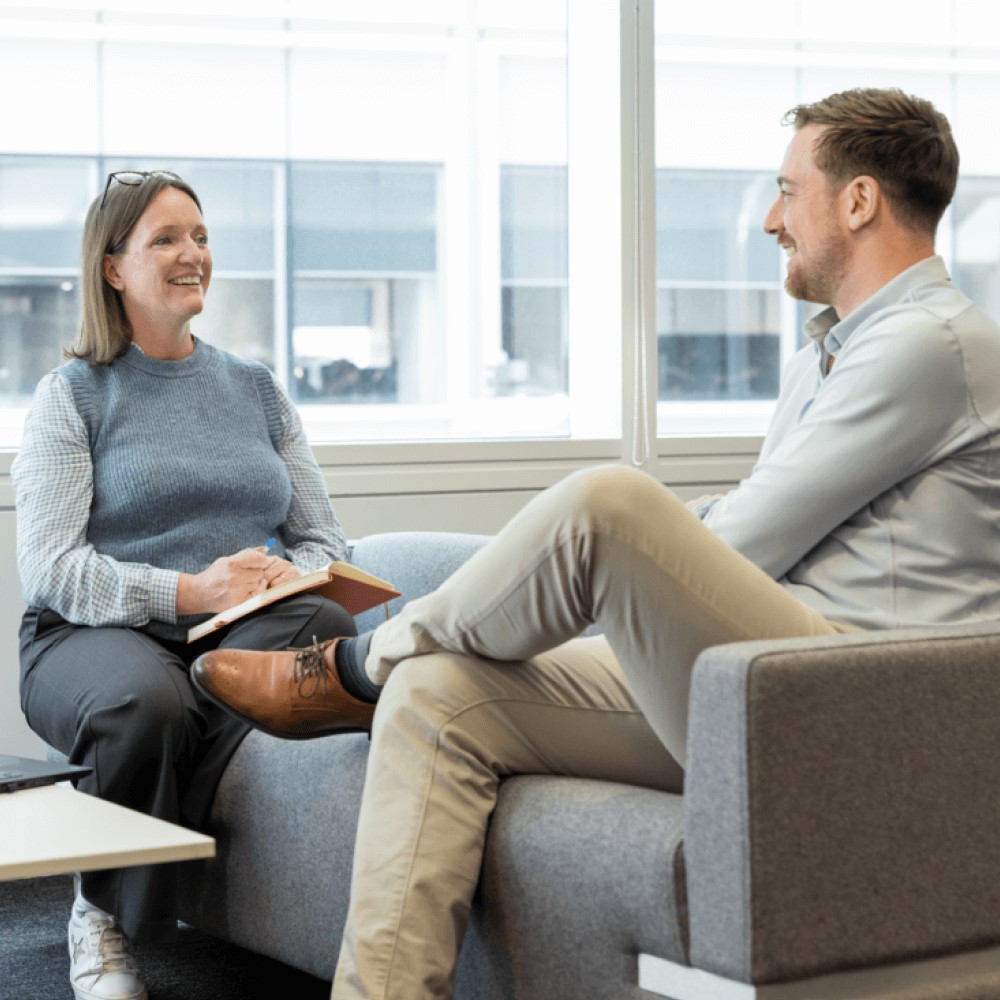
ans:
(533, 350)
(718, 302)
(359, 170)
(366, 303)
(419, 214)
(724, 75)
(976, 218)
(42, 204)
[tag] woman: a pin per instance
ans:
(159, 481)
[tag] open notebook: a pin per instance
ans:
(352, 588)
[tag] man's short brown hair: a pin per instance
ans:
(902, 141)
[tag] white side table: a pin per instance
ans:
(56, 829)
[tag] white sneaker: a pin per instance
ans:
(102, 966)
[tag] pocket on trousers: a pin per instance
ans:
(40, 630)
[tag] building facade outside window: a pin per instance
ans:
(412, 207)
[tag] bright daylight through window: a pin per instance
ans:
(416, 211)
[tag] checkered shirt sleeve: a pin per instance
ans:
(53, 480)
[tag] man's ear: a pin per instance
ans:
(861, 200)
(109, 268)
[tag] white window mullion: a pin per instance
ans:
(638, 244)
(594, 179)
(485, 331)
(459, 226)
(283, 279)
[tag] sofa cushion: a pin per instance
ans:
(579, 877)
(284, 817)
(414, 562)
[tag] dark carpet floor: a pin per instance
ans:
(34, 963)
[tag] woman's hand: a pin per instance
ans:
(230, 580)
(280, 571)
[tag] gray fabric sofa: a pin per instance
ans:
(838, 837)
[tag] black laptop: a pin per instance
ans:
(21, 772)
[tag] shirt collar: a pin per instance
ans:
(830, 333)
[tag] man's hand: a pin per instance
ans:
(691, 504)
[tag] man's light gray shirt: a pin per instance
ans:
(875, 497)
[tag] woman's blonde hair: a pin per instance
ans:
(105, 332)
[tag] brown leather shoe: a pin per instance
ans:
(295, 694)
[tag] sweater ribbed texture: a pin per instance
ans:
(185, 456)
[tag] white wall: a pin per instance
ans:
(457, 489)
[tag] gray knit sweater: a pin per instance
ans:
(134, 472)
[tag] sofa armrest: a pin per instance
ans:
(841, 801)
(414, 562)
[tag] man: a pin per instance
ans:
(873, 505)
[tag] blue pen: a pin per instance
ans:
(271, 542)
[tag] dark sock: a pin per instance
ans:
(349, 657)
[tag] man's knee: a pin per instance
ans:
(609, 495)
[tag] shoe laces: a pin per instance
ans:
(110, 952)
(310, 671)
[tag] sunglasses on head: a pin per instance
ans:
(133, 178)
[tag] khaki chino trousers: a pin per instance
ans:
(484, 680)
